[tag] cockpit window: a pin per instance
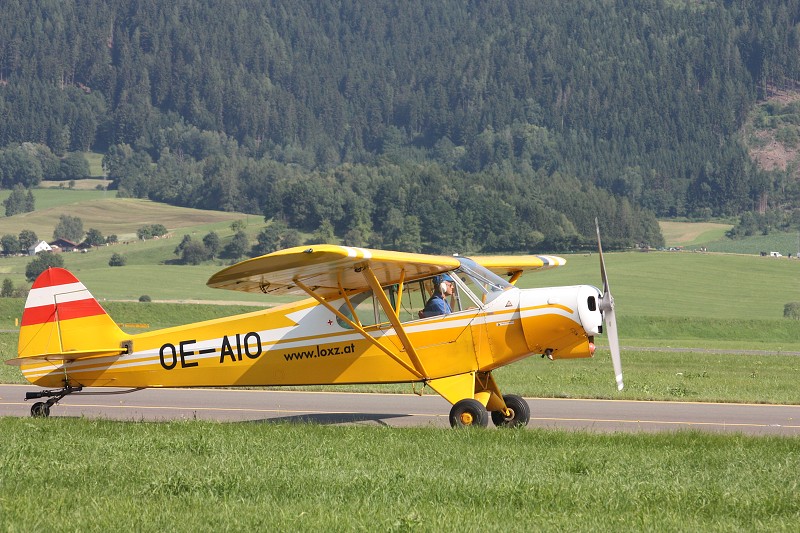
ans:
(476, 286)
(484, 284)
(369, 311)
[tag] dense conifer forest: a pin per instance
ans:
(454, 125)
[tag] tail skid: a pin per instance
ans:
(63, 322)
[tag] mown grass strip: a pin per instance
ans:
(650, 375)
(94, 475)
(685, 284)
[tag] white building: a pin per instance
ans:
(40, 246)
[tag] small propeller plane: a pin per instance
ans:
(361, 323)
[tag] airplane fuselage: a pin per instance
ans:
(305, 343)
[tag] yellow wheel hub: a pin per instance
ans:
(466, 419)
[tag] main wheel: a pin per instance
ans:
(519, 416)
(468, 413)
(40, 410)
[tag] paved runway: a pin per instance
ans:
(404, 410)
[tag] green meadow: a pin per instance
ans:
(711, 236)
(96, 475)
(111, 215)
(683, 320)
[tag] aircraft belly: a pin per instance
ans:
(558, 333)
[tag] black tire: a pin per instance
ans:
(520, 413)
(40, 410)
(469, 413)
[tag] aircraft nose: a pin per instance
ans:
(561, 322)
(588, 302)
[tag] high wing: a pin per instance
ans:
(514, 266)
(327, 270)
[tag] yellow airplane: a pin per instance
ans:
(368, 319)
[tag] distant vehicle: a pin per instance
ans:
(775, 254)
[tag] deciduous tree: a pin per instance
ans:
(42, 262)
(20, 200)
(69, 227)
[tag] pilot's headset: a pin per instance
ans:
(440, 282)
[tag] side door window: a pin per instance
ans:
(415, 295)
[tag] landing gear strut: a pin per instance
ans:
(42, 409)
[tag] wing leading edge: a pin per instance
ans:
(326, 269)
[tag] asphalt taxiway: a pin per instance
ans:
(398, 410)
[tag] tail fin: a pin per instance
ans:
(62, 321)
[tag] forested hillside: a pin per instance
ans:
(445, 126)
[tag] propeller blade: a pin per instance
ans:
(606, 288)
(609, 315)
(613, 344)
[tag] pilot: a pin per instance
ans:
(437, 303)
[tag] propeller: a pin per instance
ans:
(606, 305)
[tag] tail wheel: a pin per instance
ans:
(469, 413)
(519, 412)
(40, 410)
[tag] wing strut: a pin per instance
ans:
(360, 329)
(347, 300)
(391, 313)
(514, 277)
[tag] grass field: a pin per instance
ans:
(700, 301)
(667, 300)
(654, 284)
(711, 235)
(103, 211)
(691, 234)
(197, 476)
(686, 284)
(97, 475)
(719, 286)
(785, 243)
(88, 184)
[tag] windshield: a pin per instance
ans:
(485, 284)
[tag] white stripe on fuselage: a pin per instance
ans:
(276, 339)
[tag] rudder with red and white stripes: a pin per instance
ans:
(62, 320)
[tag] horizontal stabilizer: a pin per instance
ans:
(60, 357)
